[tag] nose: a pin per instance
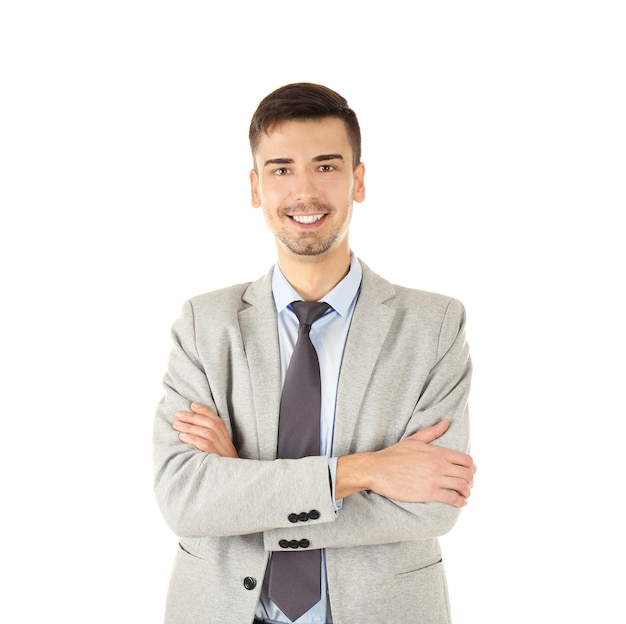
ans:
(304, 187)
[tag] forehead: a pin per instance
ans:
(306, 139)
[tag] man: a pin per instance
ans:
(353, 525)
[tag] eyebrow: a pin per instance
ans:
(324, 157)
(290, 161)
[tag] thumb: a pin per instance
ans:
(433, 432)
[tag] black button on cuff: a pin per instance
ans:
(304, 516)
(249, 582)
(303, 543)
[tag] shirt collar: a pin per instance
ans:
(340, 297)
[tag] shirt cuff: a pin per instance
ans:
(332, 470)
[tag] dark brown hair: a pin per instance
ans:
(304, 101)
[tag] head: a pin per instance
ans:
(304, 101)
(307, 171)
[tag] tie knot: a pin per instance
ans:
(309, 311)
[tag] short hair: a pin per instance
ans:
(304, 101)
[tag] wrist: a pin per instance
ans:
(354, 474)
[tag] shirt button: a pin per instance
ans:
(249, 582)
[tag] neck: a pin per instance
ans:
(313, 277)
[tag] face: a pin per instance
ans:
(306, 185)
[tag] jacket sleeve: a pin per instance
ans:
(367, 518)
(202, 494)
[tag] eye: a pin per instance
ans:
(325, 168)
(281, 171)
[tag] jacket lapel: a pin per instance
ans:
(259, 334)
(368, 331)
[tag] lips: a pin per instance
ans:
(307, 219)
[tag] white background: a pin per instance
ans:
(494, 139)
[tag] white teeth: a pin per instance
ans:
(307, 218)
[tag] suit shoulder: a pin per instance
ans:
(404, 297)
(211, 309)
(223, 297)
(236, 297)
(426, 301)
(442, 315)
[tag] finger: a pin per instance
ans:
(223, 448)
(185, 416)
(459, 458)
(197, 419)
(198, 408)
(451, 497)
(459, 472)
(200, 443)
(433, 432)
(206, 430)
(195, 430)
(460, 486)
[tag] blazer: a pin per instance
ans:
(406, 366)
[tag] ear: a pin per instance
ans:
(254, 189)
(358, 194)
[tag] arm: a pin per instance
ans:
(370, 514)
(202, 494)
(383, 507)
(409, 490)
(409, 471)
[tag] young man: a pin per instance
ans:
(353, 524)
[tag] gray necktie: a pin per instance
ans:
(294, 584)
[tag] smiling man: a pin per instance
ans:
(306, 191)
(312, 441)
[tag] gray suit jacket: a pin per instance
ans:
(406, 366)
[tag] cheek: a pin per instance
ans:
(271, 194)
(269, 215)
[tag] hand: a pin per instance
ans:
(411, 470)
(205, 430)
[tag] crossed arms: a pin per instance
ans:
(411, 470)
(403, 473)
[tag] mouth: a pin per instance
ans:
(307, 219)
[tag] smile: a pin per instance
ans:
(307, 218)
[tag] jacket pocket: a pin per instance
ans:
(422, 570)
(427, 590)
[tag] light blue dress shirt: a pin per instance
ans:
(328, 335)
